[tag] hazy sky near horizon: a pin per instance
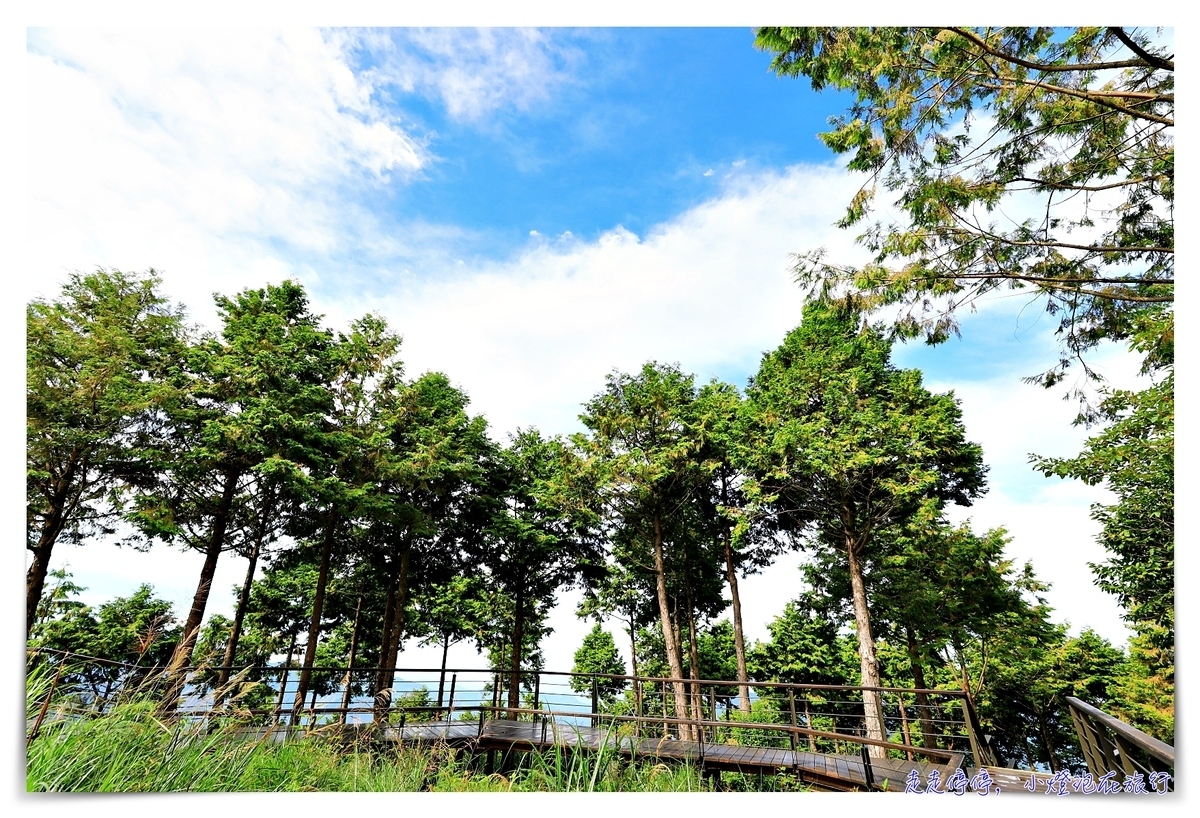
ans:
(530, 209)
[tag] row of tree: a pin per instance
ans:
(384, 511)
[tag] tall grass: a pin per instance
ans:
(134, 748)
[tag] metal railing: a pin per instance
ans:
(1111, 745)
(935, 725)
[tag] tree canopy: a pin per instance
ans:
(1037, 159)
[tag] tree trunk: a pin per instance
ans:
(633, 663)
(918, 671)
(442, 676)
(283, 677)
(401, 602)
(674, 659)
(693, 655)
(514, 681)
(35, 578)
(314, 625)
(345, 716)
(235, 632)
(869, 665)
(52, 526)
(739, 641)
(1045, 733)
(182, 657)
(385, 638)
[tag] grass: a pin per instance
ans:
(133, 748)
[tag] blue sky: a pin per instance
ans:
(530, 209)
(639, 118)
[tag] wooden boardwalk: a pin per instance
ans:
(822, 770)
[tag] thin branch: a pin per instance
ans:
(1083, 188)
(1053, 284)
(976, 229)
(1092, 96)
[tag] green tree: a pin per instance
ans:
(542, 535)
(846, 445)
(361, 365)
(427, 473)
(1134, 457)
(98, 362)
(801, 648)
(1073, 127)
(450, 612)
(598, 654)
(622, 594)
(641, 443)
(254, 397)
(131, 636)
(746, 534)
(1144, 692)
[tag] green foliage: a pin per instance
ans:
(100, 363)
(843, 447)
(802, 648)
(1073, 127)
(1029, 673)
(764, 710)
(598, 654)
(1134, 457)
(1144, 693)
(133, 634)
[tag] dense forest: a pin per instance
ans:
(375, 509)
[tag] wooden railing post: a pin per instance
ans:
(792, 733)
(904, 727)
(537, 692)
(712, 707)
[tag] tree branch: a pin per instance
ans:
(1131, 44)
(1037, 66)
(1092, 96)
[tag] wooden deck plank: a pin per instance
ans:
(824, 769)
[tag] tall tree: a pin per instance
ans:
(256, 395)
(640, 435)
(363, 365)
(542, 536)
(1077, 132)
(845, 445)
(427, 473)
(746, 535)
(98, 364)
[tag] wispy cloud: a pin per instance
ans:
(476, 72)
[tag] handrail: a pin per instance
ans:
(1158, 749)
(951, 693)
(496, 678)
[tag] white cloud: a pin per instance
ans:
(211, 154)
(531, 338)
(476, 72)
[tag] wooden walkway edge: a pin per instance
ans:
(822, 770)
